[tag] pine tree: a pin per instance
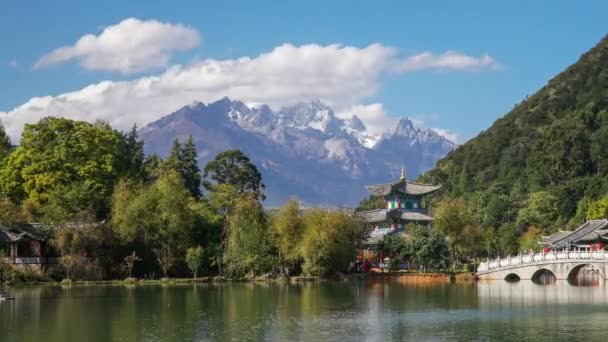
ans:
(190, 171)
(183, 159)
(134, 155)
(5, 142)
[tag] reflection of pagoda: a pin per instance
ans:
(405, 203)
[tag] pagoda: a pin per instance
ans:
(405, 203)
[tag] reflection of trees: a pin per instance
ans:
(367, 310)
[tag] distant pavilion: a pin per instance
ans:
(405, 203)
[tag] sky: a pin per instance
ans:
(453, 66)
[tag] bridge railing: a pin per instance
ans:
(533, 258)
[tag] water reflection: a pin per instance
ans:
(544, 277)
(332, 311)
(585, 275)
(526, 293)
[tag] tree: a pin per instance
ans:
(529, 240)
(330, 241)
(128, 263)
(288, 227)
(540, 210)
(133, 155)
(247, 246)
(194, 259)
(9, 211)
(428, 248)
(69, 263)
(598, 209)
(234, 168)
(58, 152)
(189, 168)
(166, 259)
(183, 159)
(159, 215)
(454, 219)
(5, 143)
(508, 239)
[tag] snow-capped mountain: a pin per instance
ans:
(303, 150)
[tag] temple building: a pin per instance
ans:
(27, 245)
(591, 235)
(404, 203)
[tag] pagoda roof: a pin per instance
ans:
(380, 215)
(37, 231)
(402, 186)
(592, 230)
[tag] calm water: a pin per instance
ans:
(365, 311)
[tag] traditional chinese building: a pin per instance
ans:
(26, 245)
(404, 202)
(591, 235)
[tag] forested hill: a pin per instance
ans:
(545, 163)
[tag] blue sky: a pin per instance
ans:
(528, 43)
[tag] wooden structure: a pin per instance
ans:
(404, 203)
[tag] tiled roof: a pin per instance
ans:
(415, 216)
(377, 215)
(37, 231)
(406, 187)
(589, 231)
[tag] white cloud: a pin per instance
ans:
(448, 61)
(373, 115)
(12, 63)
(340, 75)
(130, 46)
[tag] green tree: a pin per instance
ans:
(189, 168)
(508, 239)
(160, 215)
(133, 156)
(597, 209)
(540, 210)
(5, 143)
(248, 248)
(288, 227)
(183, 159)
(529, 239)
(194, 259)
(454, 219)
(234, 167)
(330, 241)
(428, 248)
(58, 152)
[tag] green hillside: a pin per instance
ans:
(545, 163)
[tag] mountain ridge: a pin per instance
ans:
(304, 150)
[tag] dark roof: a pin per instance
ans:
(380, 215)
(37, 231)
(6, 236)
(377, 215)
(415, 216)
(402, 186)
(592, 230)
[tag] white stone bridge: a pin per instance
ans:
(564, 265)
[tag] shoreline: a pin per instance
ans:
(405, 277)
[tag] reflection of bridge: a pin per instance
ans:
(564, 265)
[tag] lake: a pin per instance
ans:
(329, 311)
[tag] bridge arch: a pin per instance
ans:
(512, 277)
(592, 275)
(543, 276)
